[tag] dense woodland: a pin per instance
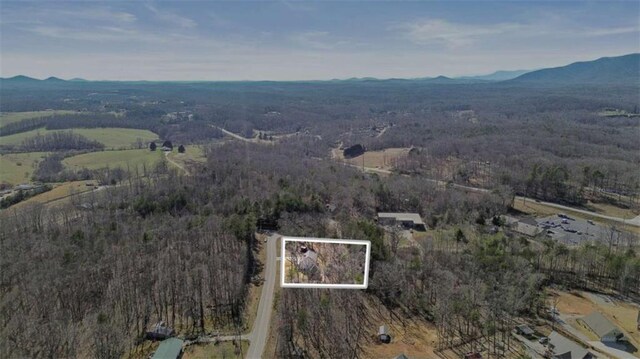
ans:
(180, 249)
(157, 245)
(544, 141)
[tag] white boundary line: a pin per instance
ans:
(324, 240)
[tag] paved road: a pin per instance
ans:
(236, 136)
(260, 329)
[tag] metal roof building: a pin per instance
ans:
(169, 349)
(563, 348)
(604, 329)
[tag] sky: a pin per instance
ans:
(290, 40)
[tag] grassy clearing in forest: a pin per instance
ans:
(414, 337)
(60, 191)
(10, 117)
(384, 159)
(114, 159)
(111, 137)
(16, 168)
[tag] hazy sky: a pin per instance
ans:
(288, 40)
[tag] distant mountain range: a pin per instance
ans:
(496, 76)
(606, 70)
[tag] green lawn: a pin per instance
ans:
(192, 153)
(9, 117)
(113, 159)
(17, 168)
(111, 137)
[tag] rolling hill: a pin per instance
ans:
(606, 70)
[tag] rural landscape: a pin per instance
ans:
(145, 219)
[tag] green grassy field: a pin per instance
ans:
(17, 168)
(193, 153)
(9, 117)
(113, 159)
(111, 137)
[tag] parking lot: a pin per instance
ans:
(574, 231)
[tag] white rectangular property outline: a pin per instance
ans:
(324, 240)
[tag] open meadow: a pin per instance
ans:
(111, 137)
(384, 159)
(10, 117)
(18, 167)
(113, 159)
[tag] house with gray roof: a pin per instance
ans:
(560, 347)
(408, 220)
(602, 327)
(308, 261)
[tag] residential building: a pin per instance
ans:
(602, 327)
(407, 220)
(560, 347)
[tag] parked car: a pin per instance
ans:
(543, 340)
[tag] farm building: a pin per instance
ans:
(383, 334)
(169, 349)
(603, 328)
(401, 356)
(407, 220)
(563, 348)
